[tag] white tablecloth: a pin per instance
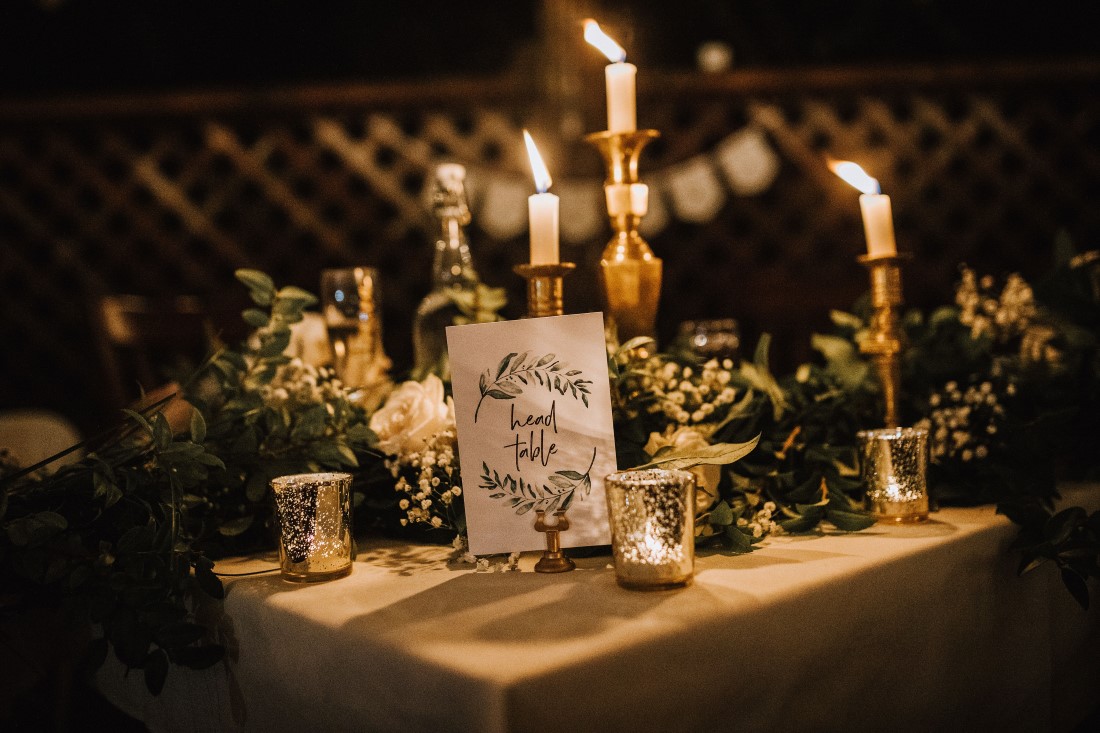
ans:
(921, 627)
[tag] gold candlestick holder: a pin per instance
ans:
(885, 339)
(630, 274)
(544, 288)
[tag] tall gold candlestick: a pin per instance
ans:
(630, 274)
(885, 338)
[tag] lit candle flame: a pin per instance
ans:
(855, 176)
(595, 36)
(538, 168)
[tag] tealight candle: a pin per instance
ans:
(620, 77)
(542, 211)
(652, 514)
(314, 512)
(894, 464)
(878, 219)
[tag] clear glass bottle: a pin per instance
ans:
(452, 274)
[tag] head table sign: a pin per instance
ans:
(535, 434)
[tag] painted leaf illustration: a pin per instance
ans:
(523, 496)
(504, 364)
(514, 372)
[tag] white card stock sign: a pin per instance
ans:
(535, 432)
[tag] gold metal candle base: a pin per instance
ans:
(620, 151)
(553, 560)
(544, 288)
(630, 274)
(885, 339)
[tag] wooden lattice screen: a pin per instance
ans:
(169, 195)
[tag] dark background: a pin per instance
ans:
(53, 46)
(985, 162)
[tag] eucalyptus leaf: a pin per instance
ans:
(804, 523)
(1059, 527)
(255, 317)
(1076, 586)
(722, 514)
(849, 521)
(237, 526)
(716, 454)
(736, 540)
(260, 286)
(198, 426)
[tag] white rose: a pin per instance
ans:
(414, 413)
(706, 476)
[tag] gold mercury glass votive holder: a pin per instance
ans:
(314, 512)
(895, 464)
(652, 514)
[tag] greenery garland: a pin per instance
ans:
(1007, 381)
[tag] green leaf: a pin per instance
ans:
(1059, 527)
(310, 424)
(208, 582)
(198, 426)
(717, 454)
(292, 293)
(722, 514)
(805, 523)
(140, 420)
(1076, 586)
(497, 394)
(34, 529)
(736, 540)
(255, 489)
(235, 527)
(255, 317)
(634, 343)
(156, 670)
(274, 346)
(333, 454)
(845, 320)
(162, 431)
(136, 539)
(849, 521)
(261, 288)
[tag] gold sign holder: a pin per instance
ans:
(544, 298)
(630, 274)
(553, 560)
(885, 339)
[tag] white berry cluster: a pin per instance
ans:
(761, 523)
(963, 424)
(297, 385)
(687, 396)
(487, 564)
(427, 480)
(1002, 316)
